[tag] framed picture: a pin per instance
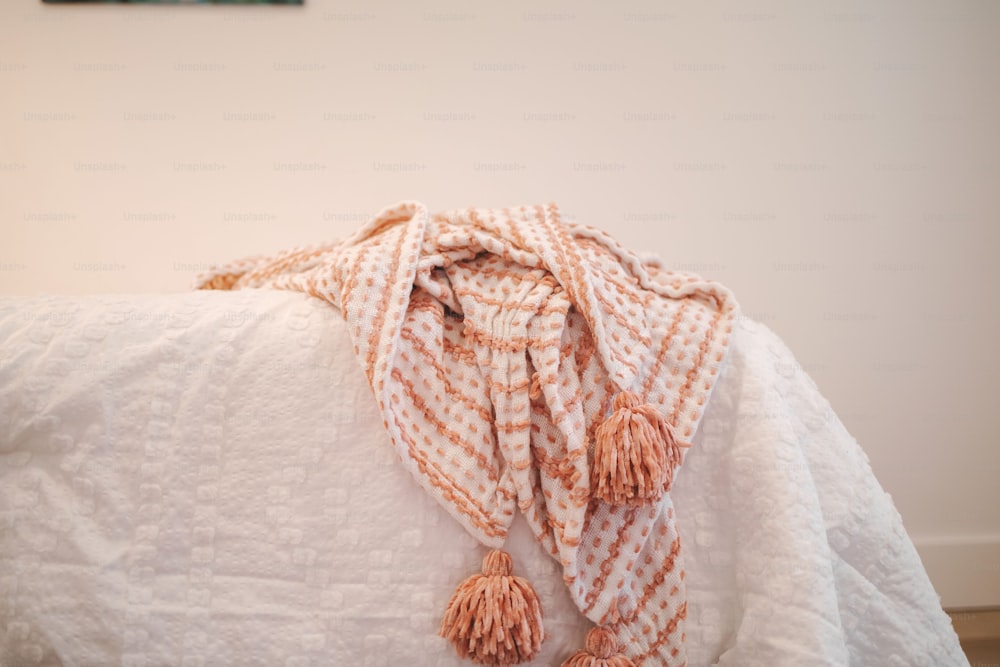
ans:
(184, 2)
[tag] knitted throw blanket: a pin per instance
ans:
(496, 342)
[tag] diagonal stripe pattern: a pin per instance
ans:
(494, 341)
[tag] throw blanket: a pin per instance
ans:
(495, 342)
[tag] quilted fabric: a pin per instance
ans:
(203, 479)
(494, 341)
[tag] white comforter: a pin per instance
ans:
(202, 479)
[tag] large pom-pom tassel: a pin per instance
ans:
(494, 618)
(635, 454)
(602, 651)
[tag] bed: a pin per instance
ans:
(203, 479)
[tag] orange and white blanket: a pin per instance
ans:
(494, 342)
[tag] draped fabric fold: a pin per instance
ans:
(494, 341)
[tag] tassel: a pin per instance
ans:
(635, 454)
(602, 651)
(494, 618)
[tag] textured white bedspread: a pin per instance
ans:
(202, 479)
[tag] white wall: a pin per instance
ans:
(836, 165)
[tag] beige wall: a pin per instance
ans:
(836, 165)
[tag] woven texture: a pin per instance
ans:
(494, 342)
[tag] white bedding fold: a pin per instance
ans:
(202, 479)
